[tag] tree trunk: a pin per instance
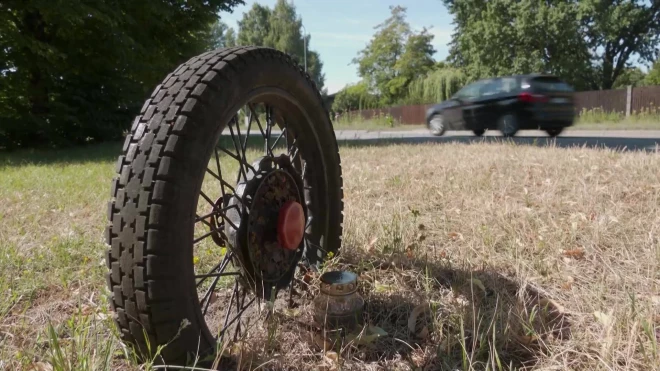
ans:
(34, 25)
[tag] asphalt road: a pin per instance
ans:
(644, 140)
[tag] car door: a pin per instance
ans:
(454, 114)
(470, 104)
(485, 107)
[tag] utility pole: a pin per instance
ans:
(304, 44)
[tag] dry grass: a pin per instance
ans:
(524, 256)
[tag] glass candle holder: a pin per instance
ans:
(338, 304)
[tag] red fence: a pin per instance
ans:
(642, 98)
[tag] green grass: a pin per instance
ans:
(648, 119)
(384, 122)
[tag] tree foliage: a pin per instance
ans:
(653, 77)
(355, 97)
(394, 56)
(632, 76)
(437, 86)
(73, 71)
(280, 28)
(222, 36)
(590, 43)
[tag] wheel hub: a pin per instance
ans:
(270, 220)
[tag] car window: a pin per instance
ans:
(550, 84)
(469, 91)
(509, 84)
(491, 87)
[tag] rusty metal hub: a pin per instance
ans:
(270, 216)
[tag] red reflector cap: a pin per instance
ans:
(290, 225)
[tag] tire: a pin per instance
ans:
(152, 213)
(554, 132)
(508, 125)
(478, 132)
(437, 125)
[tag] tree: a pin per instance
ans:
(221, 35)
(504, 37)
(632, 76)
(394, 56)
(354, 97)
(653, 77)
(280, 28)
(589, 43)
(436, 87)
(73, 71)
(617, 30)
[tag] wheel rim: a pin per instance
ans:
(236, 222)
(436, 124)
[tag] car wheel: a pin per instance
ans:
(437, 125)
(554, 132)
(508, 125)
(478, 132)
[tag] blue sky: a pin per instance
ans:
(341, 28)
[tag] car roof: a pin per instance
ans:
(529, 75)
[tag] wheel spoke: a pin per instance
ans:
(222, 274)
(220, 266)
(214, 213)
(277, 140)
(213, 230)
(256, 118)
(229, 306)
(269, 128)
(237, 317)
(222, 181)
(237, 146)
(207, 198)
(206, 300)
(219, 176)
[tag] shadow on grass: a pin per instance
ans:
(469, 318)
(104, 152)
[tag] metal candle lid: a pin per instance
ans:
(336, 283)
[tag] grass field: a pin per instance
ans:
(517, 256)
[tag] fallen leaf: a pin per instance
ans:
(551, 306)
(371, 334)
(413, 320)
(478, 283)
(371, 244)
(308, 277)
(604, 319)
(379, 287)
(321, 342)
(333, 359)
(410, 250)
(424, 333)
(291, 312)
(574, 253)
(377, 331)
(40, 366)
(527, 339)
(455, 236)
(568, 284)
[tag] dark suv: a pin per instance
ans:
(507, 104)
